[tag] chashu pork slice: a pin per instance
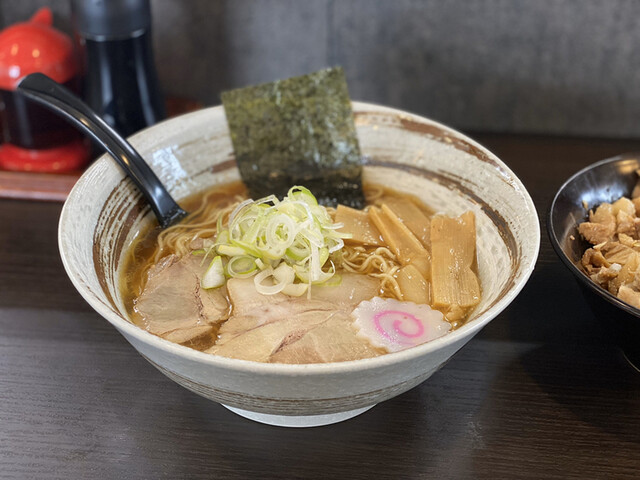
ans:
(174, 306)
(334, 340)
(266, 328)
(251, 310)
(259, 343)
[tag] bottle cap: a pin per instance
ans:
(110, 19)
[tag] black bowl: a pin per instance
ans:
(604, 181)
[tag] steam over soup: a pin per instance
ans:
(290, 281)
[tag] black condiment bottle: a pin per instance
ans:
(119, 77)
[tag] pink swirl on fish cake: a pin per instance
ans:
(394, 325)
(378, 319)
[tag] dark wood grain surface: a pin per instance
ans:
(539, 393)
(54, 187)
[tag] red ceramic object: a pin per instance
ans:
(35, 46)
(69, 156)
(38, 141)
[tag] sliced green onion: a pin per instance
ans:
(283, 273)
(214, 276)
(248, 248)
(223, 237)
(303, 273)
(242, 266)
(280, 231)
(230, 250)
(266, 289)
(302, 194)
(324, 255)
(280, 242)
(251, 235)
(237, 210)
(296, 289)
(298, 251)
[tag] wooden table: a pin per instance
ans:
(537, 394)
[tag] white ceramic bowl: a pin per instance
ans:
(449, 171)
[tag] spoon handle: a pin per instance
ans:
(46, 92)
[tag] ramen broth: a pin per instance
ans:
(388, 259)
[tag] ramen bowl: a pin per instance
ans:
(604, 181)
(448, 171)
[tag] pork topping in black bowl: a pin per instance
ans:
(594, 227)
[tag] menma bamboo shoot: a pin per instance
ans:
(400, 240)
(357, 223)
(412, 217)
(453, 255)
(413, 286)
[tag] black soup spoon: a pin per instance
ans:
(53, 96)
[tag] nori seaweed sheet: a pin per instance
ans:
(297, 131)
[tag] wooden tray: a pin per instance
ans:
(53, 187)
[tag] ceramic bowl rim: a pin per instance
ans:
(318, 369)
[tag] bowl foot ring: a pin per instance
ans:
(300, 421)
